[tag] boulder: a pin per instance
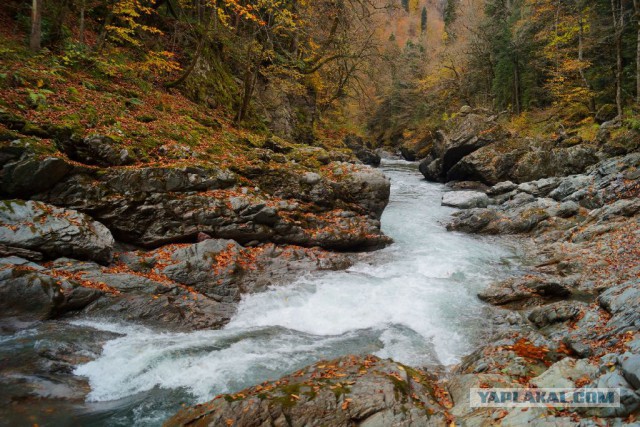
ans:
(361, 151)
(630, 367)
(465, 199)
(34, 295)
(554, 313)
(99, 150)
(501, 188)
(565, 373)
(29, 175)
(366, 390)
(53, 231)
(463, 135)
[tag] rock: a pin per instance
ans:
(465, 109)
(502, 188)
(467, 185)
(359, 148)
(34, 295)
(6, 251)
(430, 169)
(565, 373)
(367, 187)
(465, 199)
(28, 175)
(630, 367)
(563, 161)
(553, 313)
(54, 232)
(462, 136)
(97, 150)
(174, 204)
(372, 391)
(622, 302)
(541, 187)
(629, 400)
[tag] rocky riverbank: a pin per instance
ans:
(570, 319)
(88, 230)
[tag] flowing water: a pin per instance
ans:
(414, 301)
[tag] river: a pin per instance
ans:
(414, 301)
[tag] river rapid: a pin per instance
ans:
(414, 301)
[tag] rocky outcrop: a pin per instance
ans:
(463, 135)
(182, 287)
(343, 392)
(28, 293)
(472, 146)
(96, 150)
(174, 204)
(53, 232)
(607, 189)
(361, 151)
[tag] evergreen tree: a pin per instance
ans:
(423, 20)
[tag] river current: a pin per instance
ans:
(414, 301)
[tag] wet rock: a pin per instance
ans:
(465, 199)
(367, 391)
(34, 295)
(54, 232)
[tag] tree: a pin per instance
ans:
(36, 25)
(423, 20)
(618, 15)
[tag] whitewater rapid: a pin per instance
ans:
(414, 301)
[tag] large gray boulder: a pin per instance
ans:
(34, 295)
(465, 199)
(53, 231)
(345, 392)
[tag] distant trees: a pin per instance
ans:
(423, 20)
(581, 56)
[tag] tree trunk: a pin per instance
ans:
(249, 84)
(618, 26)
(36, 25)
(516, 87)
(81, 36)
(636, 10)
(591, 101)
